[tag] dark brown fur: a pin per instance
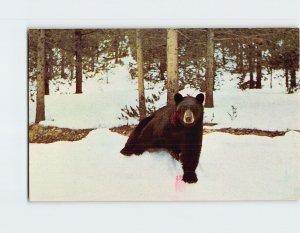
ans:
(165, 129)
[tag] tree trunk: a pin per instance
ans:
(115, 47)
(172, 65)
(251, 66)
(62, 65)
(223, 56)
(46, 70)
(240, 58)
(40, 96)
(293, 78)
(162, 69)
(258, 68)
(117, 53)
(93, 63)
(241, 66)
(287, 79)
(72, 69)
(140, 65)
(209, 98)
(78, 55)
(271, 80)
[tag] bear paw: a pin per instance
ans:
(190, 177)
(125, 151)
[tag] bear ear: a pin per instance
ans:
(200, 98)
(178, 98)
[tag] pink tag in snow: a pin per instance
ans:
(179, 184)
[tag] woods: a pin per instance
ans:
(173, 58)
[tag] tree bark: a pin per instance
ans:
(72, 69)
(240, 63)
(40, 96)
(140, 65)
(78, 55)
(115, 46)
(117, 53)
(209, 98)
(162, 69)
(47, 66)
(251, 66)
(62, 65)
(241, 67)
(293, 77)
(287, 78)
(172, 64)
(223, 55)
(258, 68)
(93, 63)
(271, 78)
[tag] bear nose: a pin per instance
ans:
(188, 119)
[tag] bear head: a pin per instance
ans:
(189, 110)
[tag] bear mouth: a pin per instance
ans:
(188, 123)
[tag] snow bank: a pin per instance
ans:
(231, 168)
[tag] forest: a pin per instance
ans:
(176, 57)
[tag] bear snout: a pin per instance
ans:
(188, 117)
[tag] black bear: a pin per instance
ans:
(178, 128)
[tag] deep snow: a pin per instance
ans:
(231, 168)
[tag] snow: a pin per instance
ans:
(100, 104)
(231, 168)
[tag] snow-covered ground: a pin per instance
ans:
(231, 167)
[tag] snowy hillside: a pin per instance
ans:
(106, 94)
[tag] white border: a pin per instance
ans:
(18, 215)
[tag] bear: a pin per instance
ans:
(177, 128)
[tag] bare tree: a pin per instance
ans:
(40, 97)
(139, 51)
